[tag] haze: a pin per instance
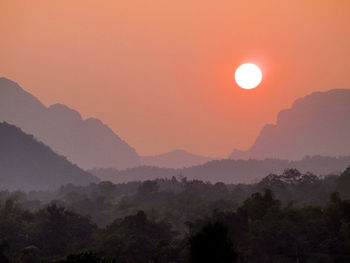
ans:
(161, 73)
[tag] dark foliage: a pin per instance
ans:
(85, 257)
(212, 244)
(291, 217)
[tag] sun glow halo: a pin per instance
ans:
(248, 76)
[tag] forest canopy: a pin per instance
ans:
(290, 217)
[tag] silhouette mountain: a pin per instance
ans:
(175, 159)
(88, 143)
(317, 124)
(27, 164)
(228, 171)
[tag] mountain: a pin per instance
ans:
(141, 173)
(88, 143)
(175, 159)
(27, 164)
(318, 124)
(228, 171)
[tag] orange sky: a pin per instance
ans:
(161, 73)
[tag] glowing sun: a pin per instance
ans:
(248, 76)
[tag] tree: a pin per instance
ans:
(60, 231)
(148, 187)
(30, 254)
(344, 184)
(4, 247)
(85, 257)
(136, 239)
(212, 244)
(258, 205)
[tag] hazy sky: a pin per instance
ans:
(161, 73)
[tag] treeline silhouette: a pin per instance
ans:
(288, 217)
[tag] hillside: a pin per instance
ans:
(228, 171)
(175, 159)
(28, 164)
(88, 143)
(317, 124)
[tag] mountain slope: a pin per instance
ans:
(318, 124)
(27, 164)
(228, 171)
(88, 143)
(175, 159)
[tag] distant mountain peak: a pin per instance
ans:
(27, 164)
(179, 151)
(63, 111)
(11, 94)
(89, 143)
(9, 83)
(175, 159)
(176, 151)
(317, 124)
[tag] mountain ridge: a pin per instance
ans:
(228, 170)
(175, 159)
(28, 164)
(316, 124)
(87, 142)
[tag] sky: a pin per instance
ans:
(161, 73)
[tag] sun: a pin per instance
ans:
(248, 76)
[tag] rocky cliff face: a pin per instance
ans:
(318, 124)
